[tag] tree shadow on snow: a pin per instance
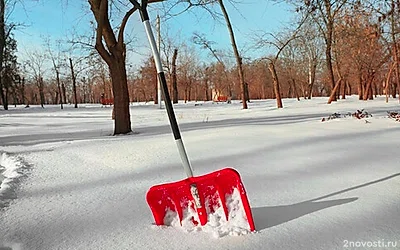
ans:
(266, 217)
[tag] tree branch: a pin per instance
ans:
(123, 25)
(100, 12)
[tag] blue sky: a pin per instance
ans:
(57, 19)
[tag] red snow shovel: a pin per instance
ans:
(196, 199)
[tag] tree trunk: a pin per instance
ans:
(73, 83)
(112, 50)
(271, 67)
(41, 92)
(246, 92)
(395, 48)
(360, 86)
(311, 78)
(236, 52)
(3, 93)
(328, 54)
(64, 94)
(387, 83)
(121, 96)
(173, 80)
(368, 87)
(371, 92)
(332, 97)
(59, 88)
(349, 88)
(23, 90)
(344, 90)
(206, 95)
(296, 93)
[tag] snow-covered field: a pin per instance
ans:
(68, 184)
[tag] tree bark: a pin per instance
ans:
(296, 93)
(311, 77)
(360, 86)
(3, 92)
(237, 55)
(59, 88)
(395, 46)
(64, 94)
(344, 90)
(329, 41)
(121, 96)
(368, 87)
(173, 76)
(387, 83)
(332, 97)
(271, 67)
(73, 83)
(23, 90)
(41, 92)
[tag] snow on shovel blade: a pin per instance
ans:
(208, 199)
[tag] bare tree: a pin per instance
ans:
(57, 64)
(36, 64)
(280, 45)
(6, 7)
(325, 14)
(111, 48)
(237, 54)
(202, 41)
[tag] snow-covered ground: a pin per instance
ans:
(68, 184)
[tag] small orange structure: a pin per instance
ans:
(106, 101)
(218, 97)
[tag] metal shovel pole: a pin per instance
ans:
(161, 76)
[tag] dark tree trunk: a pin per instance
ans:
(23, 90)
(59, 88)
(206, 95)
(295, 90)
(64, 94)
(173, 76)
(121, 97)
(271, 67)
(3, 91)
(328, 41)
(371, 92)
(73, 83)
(155, 77)
(311, 79)
(395, 45)
(41, 92)
(368, 87)
(328, 54)
(246, 92)
(344, 90)
(360, 87)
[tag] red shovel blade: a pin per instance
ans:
(202, 199)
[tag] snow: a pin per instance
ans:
(11, 169)
(311, 184)
(217, 224)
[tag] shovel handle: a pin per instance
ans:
(164, 88)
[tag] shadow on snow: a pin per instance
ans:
(266, 217)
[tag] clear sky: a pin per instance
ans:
(57, 19)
